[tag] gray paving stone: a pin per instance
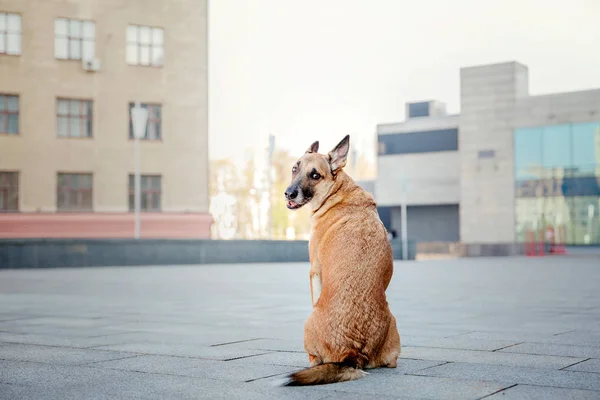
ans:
(293, 359)
(428, 331)
(14, 392)
(39, 381)
(512, 375)
(449, 309)
(592, 365)
(525, 392)
(488, 357)
(517, 337)
(192, 337)
(586, 338)
(555, 349)
(224, 370)
(48, 330)
(56, 355)
(65, 341)
(268, 345)
(184, 350)
(456, 342)
(364, 396)
(422, 387)
(62, 322)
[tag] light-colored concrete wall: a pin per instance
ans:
(558, 108)
(489, 96)
(181, 157)
(419, 124)
(432, 178)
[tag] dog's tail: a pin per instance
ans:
(325, 373)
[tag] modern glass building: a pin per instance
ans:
(510, 168)
(557, 181)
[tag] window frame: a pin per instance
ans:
(151, 120)
(5, 32)
(7, 113)
(137, 43)
(82, 38)
(84, 120)
(5, 192)
(144, 192)
(77, 190)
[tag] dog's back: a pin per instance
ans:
(351, 245)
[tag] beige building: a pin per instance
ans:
(69, 72)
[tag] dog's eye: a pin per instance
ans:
(315, 175)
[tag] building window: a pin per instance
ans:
(145, 46)
(418, 110)
(153, 126)
(74, 39)
(74, 118)
(9, 114)
(74, 192)
(9, 191)
(10, 33)
(418, 142)
(150, 192)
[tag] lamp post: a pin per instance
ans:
(270, 173)
(139, 119)
(404, 219)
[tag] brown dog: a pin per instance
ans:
(351, 327)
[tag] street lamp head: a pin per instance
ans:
(139, 119)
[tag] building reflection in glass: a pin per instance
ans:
(557, 181)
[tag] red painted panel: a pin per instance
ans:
(105, 225)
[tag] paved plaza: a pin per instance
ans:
(498, 328)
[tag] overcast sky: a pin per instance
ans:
(318, 70)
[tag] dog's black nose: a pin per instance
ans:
(291, 194)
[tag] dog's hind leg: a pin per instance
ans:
(390, 349)
(312, 343)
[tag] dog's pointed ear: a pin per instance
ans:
(313, 147)
(339, 155)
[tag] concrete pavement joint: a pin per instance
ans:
(237, 341)
(265, 377)
(506, 347)
(498, 391)
(426, 368)
(562, 333)
(578, 362)
(112, 359)
(242, 357)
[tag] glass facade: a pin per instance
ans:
(557, 178)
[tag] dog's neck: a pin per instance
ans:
(331, 198)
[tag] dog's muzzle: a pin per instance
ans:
(291, 194)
